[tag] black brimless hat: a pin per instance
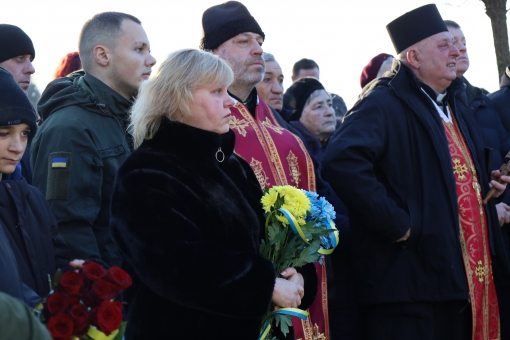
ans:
(299, 92)
(14, 42)
(15, 107)
(415, 26)
(222, 22)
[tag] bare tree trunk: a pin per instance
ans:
(496, 10)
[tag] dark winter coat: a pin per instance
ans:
(390, 164)
(33, 235)
(10, 280)
(501, 101)
(494, 135)
(188, 229)
(85, 122)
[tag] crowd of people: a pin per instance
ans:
(163, 175)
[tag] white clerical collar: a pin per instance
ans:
(444, 116)
(440, 96)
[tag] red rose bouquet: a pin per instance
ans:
(83, 304)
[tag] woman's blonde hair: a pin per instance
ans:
(171, 90)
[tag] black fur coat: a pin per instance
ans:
(188, 229)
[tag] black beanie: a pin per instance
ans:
(225, 21)
(14, 42)
(299, 92)
(15, 107)
(415, 26)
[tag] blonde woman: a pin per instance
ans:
(186, 212)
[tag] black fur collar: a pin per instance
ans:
(191, 143)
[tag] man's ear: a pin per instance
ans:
(101, 55)
(413, 58)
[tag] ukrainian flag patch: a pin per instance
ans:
(59, 162)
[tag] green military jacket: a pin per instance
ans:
(76, 153)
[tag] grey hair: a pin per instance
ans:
(268, 57)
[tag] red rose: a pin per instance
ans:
(93, 316)
(93, 271)
(57, 303)
(103, 290)
(60, 327)
(70, 283)
(118, 278)
(80, 316)
(109, 316)
(73, 300)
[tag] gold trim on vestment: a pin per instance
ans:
(266, 123)
(247, 115)
(258, 169)
(270, 148)
(294, 168)
(324, 282)
(309, 162)
(482, 270)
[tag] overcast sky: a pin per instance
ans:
(341, 36)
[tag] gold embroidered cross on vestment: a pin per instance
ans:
(267, 123)
(317, 335)
(239, 125)
(459, 169)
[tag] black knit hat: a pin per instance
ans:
(222, 22)
(299, 92)
(15, 107)
(415, 26)
(14, 42)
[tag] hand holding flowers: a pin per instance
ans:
(299, 230)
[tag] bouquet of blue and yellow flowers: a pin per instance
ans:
(299, 230)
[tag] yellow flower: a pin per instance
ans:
(295, 202)
(269, 199)
(280, 217)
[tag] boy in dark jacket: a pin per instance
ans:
(27, 221)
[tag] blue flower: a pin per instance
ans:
(315, 210)
(328, 212)
(312, 196)
(325, 242)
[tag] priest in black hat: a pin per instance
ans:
(409, 163)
